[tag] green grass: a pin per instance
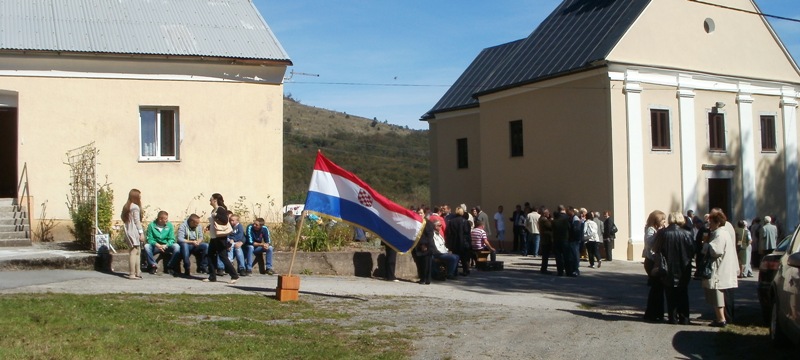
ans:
(65, 326)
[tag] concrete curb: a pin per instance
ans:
(344, 263)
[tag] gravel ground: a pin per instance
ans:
(517, 313)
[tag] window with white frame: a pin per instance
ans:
(158, 134)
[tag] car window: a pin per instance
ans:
(795, 242)
(784, 244)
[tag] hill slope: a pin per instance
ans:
(393, 160)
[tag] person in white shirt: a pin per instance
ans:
(532, 225)
(500, 227)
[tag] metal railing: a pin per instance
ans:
(25, 192)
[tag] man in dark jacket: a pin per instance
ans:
(560, 238)
(677, 247)
(609, 234)
(457, 239)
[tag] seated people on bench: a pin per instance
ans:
(441, 253)
(480, 240)
(190, 239)
(161, 239)
(257, 242)
(237, 237)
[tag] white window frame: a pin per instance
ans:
(158, 156)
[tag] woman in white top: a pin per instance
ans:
(721, 248)
(591, 234)
(134, 233)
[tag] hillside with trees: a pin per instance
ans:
(393, 160)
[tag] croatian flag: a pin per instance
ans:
(339, 194)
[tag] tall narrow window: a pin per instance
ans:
(716, 132)
(159, 134)
(768, 143)
(659, 127)
(461, 151)
(515, 132)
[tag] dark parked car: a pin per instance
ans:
(766, 272)
(785, 314)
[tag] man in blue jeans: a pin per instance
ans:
(161, 239)
(441, 252)
(190, 239)
(257, 242)
(236, 238)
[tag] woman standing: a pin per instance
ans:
(134, 234)
(677, 246)
(218, 248)
(743, 249)
(591, 235)
(655, 298)
(721, 248)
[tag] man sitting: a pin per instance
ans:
(480, 240)
(441, 252)
(237, 238)
(190, 239)
(161, 239)
(258, 242)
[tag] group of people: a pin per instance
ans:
(454, 238)
(229, 240)
(721, 254)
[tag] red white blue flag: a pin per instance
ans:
(336, 193)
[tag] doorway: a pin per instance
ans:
(8, 152)
(719, 195)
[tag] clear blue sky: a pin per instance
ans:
(394, 59)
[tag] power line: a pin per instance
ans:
(745, 11)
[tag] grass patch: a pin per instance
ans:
(67, 326)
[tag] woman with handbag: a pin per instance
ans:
(219, 227)
(675, 246)
(655, 298)
(721, 251)
(134, 233)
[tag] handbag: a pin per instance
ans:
(222, 230)
(659, 266)
(708, 268)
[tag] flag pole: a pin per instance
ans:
(297, 240)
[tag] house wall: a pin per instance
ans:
(230, 138)
(740, 45)
(620, 207)
(567, 147)
(449, 184)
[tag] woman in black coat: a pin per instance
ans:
(423, 252)
(457, 239)
(677, 247)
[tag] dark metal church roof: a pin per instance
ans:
(575, 35)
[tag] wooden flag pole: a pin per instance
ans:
(289, 285)
(297, 240)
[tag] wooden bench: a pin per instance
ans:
(481, 258)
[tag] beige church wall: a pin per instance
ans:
(230, 140)
(770, 167)
(662, 168)
(449, 184)
(672, 32)
(567, 145)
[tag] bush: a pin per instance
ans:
(82, 224)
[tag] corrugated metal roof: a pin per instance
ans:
(210, 28)
(459, 96)
(576, 34)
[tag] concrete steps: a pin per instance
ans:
(14, 224)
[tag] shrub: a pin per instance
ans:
(82, 224)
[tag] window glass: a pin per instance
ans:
(659, 127)
(461, 150)
(768, 142)
(148, 125)
(515, 130)
(167, 133)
